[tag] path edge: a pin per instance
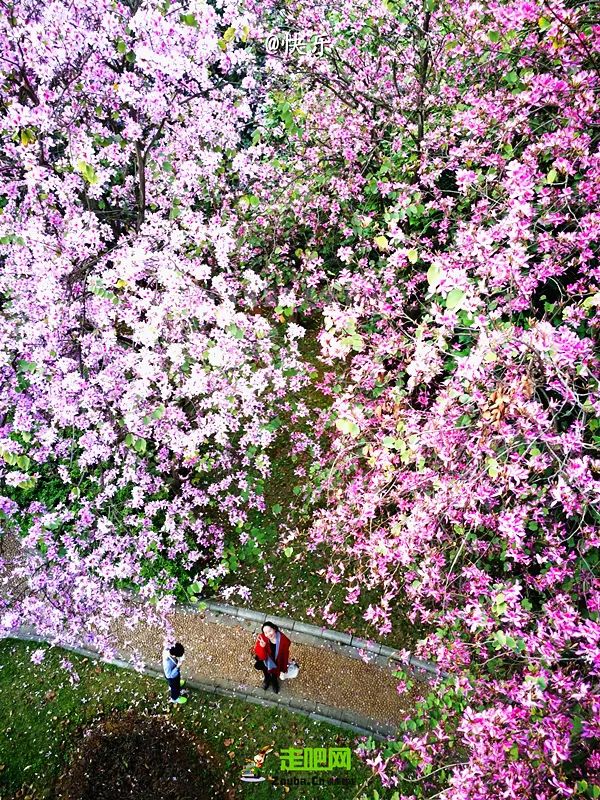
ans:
(326, 714)
(322, 634)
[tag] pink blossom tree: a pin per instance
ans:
(427, 187)
(442, 169)
(138, 386)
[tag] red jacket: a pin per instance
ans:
(262, 650)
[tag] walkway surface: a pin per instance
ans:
(334, 682)
(218, 648)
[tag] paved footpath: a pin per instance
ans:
(334, 684)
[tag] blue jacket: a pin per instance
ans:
(170, 665)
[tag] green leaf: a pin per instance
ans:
(499, 607)
(26, 366)
(591, 300)
(121, 46)
(273, 425)
(355, 341)
(23, 462)
(27, 136)
(156, 414)
(11, 238)
(544, 24)
(455, 296)
(235, 331)
(434, 274)
(493, 467)
(88, 173)
(140, 446)
(288, 551)
(276, 509)
(494, 36)
(189, 19)
(347, 426)
(577, 726)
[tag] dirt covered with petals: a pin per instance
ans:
(140, 756)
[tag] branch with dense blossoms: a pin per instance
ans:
(458, 284)
(138, 388)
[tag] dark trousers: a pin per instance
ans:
(270, 677)
(175, 686)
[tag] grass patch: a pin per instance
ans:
(44, 714)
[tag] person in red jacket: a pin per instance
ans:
(272, 651)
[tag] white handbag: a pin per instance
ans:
(292, 671)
